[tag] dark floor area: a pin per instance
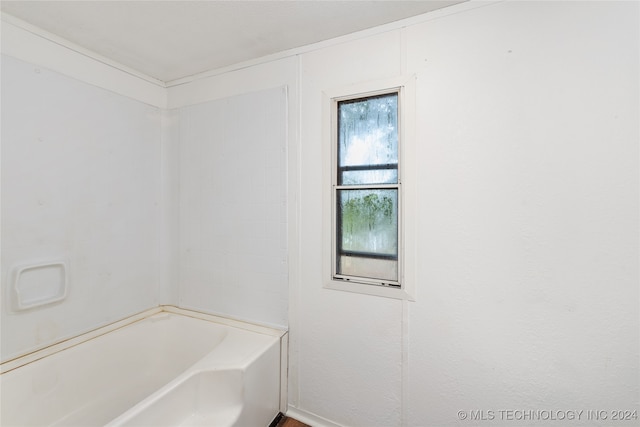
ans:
(290, 422)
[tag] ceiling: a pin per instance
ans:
(169, 40)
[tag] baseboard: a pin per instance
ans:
(309, 418)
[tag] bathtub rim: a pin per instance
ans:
(25, 359)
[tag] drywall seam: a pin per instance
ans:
(404, 326)
(404, 368)
(294, 226)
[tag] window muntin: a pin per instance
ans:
(367, 190)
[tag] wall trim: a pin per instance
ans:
(310, 418)
(66, 343)
(33, 45)
(163, 85)
(37, 31)
(392, 26)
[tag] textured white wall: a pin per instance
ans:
(80, 181)
(529, 211)
(170, 208)
(528, 207)
(233, 207)
(350, 360)
(527, 222)
(236, 133)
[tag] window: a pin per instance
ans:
(369, 188)
(366, 189)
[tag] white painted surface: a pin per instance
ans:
(269, 75)
(80, 182)
(349, 344)
(98, 381)
(32, 45)
(527, 224)
(233, 210)
(529, 211)
(182, 38)
(170, 226)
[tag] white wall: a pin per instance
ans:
(350, 361)
(81, 183)
(233, 207)
(170, 208)
(117, 216)
(526, 217)
(527, 223)
(528, 211)
(237, 248)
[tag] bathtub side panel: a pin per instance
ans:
(261, 389)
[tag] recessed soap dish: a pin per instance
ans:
(39, 284)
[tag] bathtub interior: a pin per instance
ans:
(206, 398)
(97, 381)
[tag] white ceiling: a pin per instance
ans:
(169, 40)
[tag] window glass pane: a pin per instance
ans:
(368, 135)
(384, 176)
(368, 222)
(383, 269)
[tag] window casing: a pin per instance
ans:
(366, 189)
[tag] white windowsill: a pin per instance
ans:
(374, 290)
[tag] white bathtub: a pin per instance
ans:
(167, 369)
